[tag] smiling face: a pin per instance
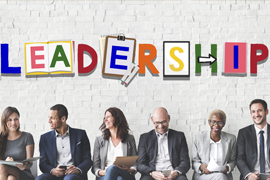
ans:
(13, 122)
(258, 114)
(160, 120)
(216, 125)
(54, 121)
(109, 120)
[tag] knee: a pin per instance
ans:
(10, 177)
(221, 176)
(112, 168)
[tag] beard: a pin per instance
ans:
(262, 121)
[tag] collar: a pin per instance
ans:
(162, 135)
(258, 130)
(57, 134)
(213, 142)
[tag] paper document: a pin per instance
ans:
(13, 163)
(213, 166)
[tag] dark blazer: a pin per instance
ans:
(79, 146)
(148, 149)
(247, 149)
(101, 149)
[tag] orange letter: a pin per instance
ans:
(147, 59)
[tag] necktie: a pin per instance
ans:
(262, 159)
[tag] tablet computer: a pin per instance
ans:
(125, 161)
(264, 176)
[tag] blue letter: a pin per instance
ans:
(4, 62)
(115, 56)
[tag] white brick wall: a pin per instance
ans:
(87, 97)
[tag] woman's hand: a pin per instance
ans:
(204, 169)
(23, 166)
(9, 159)
(127, 169)
(102, 172)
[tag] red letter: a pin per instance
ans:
(35, 57)
(147, 59)
(85, 48)
(254, 58)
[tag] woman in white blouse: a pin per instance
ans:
(216, 146)
(115, 141)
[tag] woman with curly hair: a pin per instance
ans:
(15, 145)
(114, 142)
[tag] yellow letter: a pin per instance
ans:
(180, 62)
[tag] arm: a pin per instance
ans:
(143, 160)
(96, 157)
(44, 164)
(184, 161)
(133, 153)
(86, 163)
(196, 160)
(29, 154)
(241, 155)
(232, 159)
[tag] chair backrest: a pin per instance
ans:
(34, 169)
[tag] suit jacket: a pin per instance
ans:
(201, 151)
(79, 146)
(247, 149)
(148, 149)
(101, 148)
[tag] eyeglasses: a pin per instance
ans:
(161, 123)
(219, 123)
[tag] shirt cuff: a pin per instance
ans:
(51, 170)
(179, 172)
(229, 171)
(96, 173)
(134, 168)
(247, 175)
(79, 170)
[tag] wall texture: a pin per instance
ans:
(189, 101)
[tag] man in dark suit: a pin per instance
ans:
(253, 143)
(65, 151)
(163, 148)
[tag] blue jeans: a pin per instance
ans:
(47, 176)
(115, 173)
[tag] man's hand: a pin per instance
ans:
(58, 172)
(173, 175)
(254, 176)
(72, 170)
(102, 172)
(226, 170)
(158, 175)
(204, 169)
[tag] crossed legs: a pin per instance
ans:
(8, 173)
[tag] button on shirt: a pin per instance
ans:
(63, 149)
(216, 153)
(163, 158)
(257, 164)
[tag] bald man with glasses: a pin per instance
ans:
(163, 149)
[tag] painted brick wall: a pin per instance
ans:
(189, 102)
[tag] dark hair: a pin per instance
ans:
(262, 102)
(4, 129)
(119, 121)
(61, 110)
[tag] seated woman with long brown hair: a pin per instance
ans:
(115, 141)
(15, 145)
